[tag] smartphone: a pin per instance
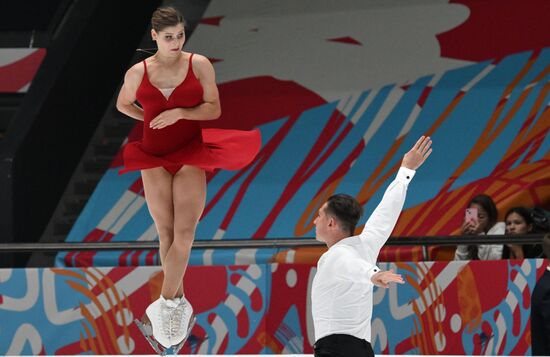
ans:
(470, 215)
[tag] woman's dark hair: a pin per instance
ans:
(346, 210)
(489, 206)
(525, 213)
(164, 17)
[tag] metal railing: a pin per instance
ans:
(267, 243)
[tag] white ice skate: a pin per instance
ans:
(155, 325)
(182, 323)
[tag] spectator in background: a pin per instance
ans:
(540, 309)
(519, 221)
(481, 218)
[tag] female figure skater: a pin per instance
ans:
(176, 91)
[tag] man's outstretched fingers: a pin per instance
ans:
(418, 143)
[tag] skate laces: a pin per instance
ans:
(166, 311)
(176, 319)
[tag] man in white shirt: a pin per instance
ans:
(341, 294)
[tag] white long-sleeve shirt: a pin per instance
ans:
(341, 296)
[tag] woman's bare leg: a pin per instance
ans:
(157, 183)
(189, 195)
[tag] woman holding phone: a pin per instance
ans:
(480, 217)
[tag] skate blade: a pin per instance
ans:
(147, 332)
(179, 346)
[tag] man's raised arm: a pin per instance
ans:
(382, 221)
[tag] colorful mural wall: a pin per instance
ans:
(340, 92)
(452, 308)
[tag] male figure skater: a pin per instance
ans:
(341, 294)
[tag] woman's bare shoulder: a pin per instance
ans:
(202, 65)
(135, 73)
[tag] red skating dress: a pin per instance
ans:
(185, 142)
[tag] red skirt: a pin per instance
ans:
(219, 149)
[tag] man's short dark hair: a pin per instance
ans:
(346, 210)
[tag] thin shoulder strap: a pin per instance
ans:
(191, 63)
(145, 66)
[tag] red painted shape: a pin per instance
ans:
(123, 258)
(135, 257)
(347, 40)
(18, 74)
(150, 257)
(516, 324)
(526, 301)
(211, 318)
(250, 102)
(424, 96)
(497, 31)
(211, 279)
(137, 187)
(235, 279)
(223, 345)
(85, 259)
(213, 21)
(492, 288)
(243, 323)
(256, 300)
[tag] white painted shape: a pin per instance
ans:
(5, 275)
(31, 295)
(128, 214)
(26, 333)
(234, 304)
(291, 278)
(114, 213)
(219, 234)
(290, 256)
(291, 41)
(11, 55)
(361, 110)
(246, 256)
(440, 341)
(456, 323)
(393, 98)
(207, 258)
(126, 348)
(150, 234)
(254, 271)
(246, 285)
(478, 78)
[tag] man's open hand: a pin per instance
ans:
(384, 278)
(418, 154)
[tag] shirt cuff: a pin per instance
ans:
(372, 271)
(405, 175)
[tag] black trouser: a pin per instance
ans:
(342, 346)
(540, 316)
